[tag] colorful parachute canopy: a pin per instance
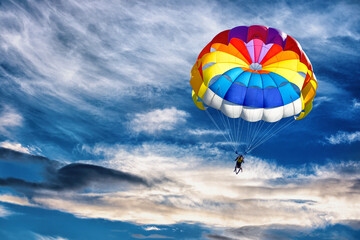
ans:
(254, 73)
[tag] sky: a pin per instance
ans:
(100, 138)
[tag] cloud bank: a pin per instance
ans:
(208, 193)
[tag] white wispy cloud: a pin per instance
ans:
(4, 212)
(43, 237)
(320, 100)
(344, 137)
(158, 120)
(125, 46)
(200, 132)
(9, 118)
(356, 104)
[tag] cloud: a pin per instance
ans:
(129, 49)
(151, 236)
(75, 176)
(158, 120)
(16, 147)
(356, 104)
(344, 138)
(217, 237)
(197, 190)
(43, 237)
(9, 118)
(119, 51)
(200, 132)
(81, 69)
(152, 228)
(12, 155)
(286, 231)
(321, 100)
(60, 177)
(4, 212)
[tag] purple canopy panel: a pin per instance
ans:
(250, 48)
(239, 32)
(264, 51)
(276, 36)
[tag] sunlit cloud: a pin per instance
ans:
(151, 228)
(16, 147)
(158, 120)
(196, 190)
(344, 138)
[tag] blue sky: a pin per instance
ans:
(100, 139)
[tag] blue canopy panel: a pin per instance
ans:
(243, 79)
(234, 73)
(288, 93)
(254, 98)
(277, 78)
(272, 98)
(236, 94)
(222, 85)
(255, 81)
(268, 82)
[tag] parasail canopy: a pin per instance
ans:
(253, 77)
(254, 73)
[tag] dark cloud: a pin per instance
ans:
(77, 175)
(354, 224)
(356, 185)
(73, 176)
(152, 236)
(270, 232)
(218, 237)
(50, 166)
(347, 230)
(15, 156)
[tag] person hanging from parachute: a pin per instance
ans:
(252, 82)
(239, 160)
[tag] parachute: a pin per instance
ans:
(253, 82)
